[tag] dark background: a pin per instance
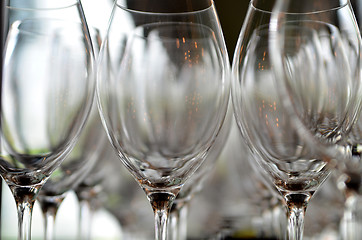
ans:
(231, 14)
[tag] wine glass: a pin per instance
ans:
(178, 215)
(48, 89)
(316, 64)
(348, 178)
(255, 183)
(315, 15)
(90, 191)
(77, 165)
(325, 212)
(122, 197)
(331, 13)
(71, 172)
(15, 10)
(348, 175)
(163, 92)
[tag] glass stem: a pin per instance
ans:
(296, 207)
(178, 221)
(50, 206)
(85, 220)
(279, 221)
(267, 222)
(25, 199)
(183, 213)
(350, 224)
(161, 204)
(49, 225)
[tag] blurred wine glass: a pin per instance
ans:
(47, 94)
(90, 192)
(121, 196)
(257, 189)
(76, 166)
(325, 212)
(163, 92)
(348, 178)
(71, 172)
(179, 210)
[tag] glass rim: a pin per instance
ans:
(340, 6)
(60, 4)
(131, 10)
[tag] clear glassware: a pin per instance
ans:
(121, 196)
(234, 202)
(76, 166)
(163, 92)
(255, 184)
(69, 10)
(89, 197)
(178, 215)
(348, 176)
(86, 187)
(325, 212)
(320, 72)
(71, 172)
(90, 191)
(338, 18)
(259, 188)
(47, 92)
(339, 15)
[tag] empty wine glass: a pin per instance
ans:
(121, 196)
(48, 86)
(163, 92)
(90, 190)
(77, 166)
(178, 215)
(338, 14)
(89, 196)
(348, 177)
(71, 172)
(319, 71)
(70, 10)
(324, 212)
(255, 183)
(321, 16)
